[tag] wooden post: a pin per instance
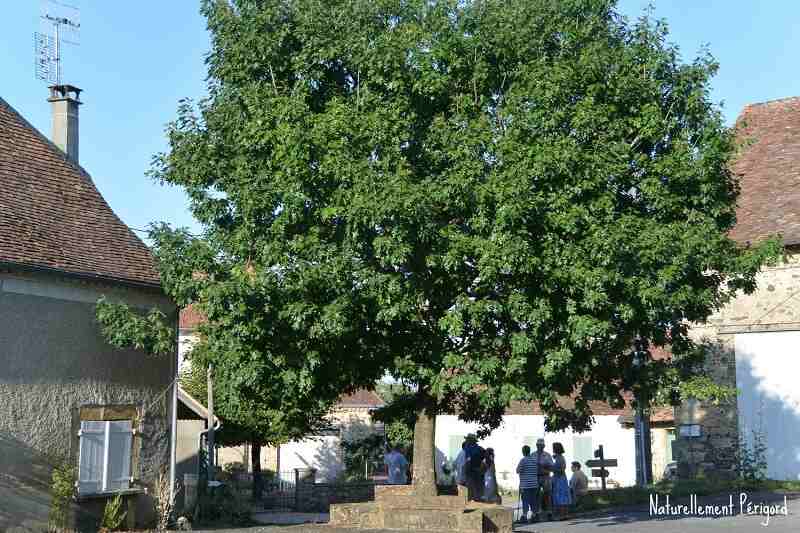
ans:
(603, 473)
(600, 465)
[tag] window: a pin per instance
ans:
(454, 446)
(670, 443)
(582, 449)
(104, 455)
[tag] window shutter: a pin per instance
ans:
(90, 451)
(582, 449)
(120, 436)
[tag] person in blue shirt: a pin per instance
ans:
(397, 467)
(474, 455)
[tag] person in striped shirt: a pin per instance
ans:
(528, 471)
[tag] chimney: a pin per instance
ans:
(65, 100)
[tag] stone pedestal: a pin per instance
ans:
(400, 507)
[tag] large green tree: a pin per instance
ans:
(490, 200)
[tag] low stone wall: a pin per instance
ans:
(312, 497)
(318, 497)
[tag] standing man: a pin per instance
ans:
(397, 467)
(474, 460)
(544, 462)
(461, 465)
(527, 469)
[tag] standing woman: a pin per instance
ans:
(561, 495)
(490, 478)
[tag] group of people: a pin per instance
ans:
(543, 484)
(475, 470)
(539, 491)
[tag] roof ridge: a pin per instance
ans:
(773, 101)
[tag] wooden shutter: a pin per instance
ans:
(91, 453)
(120, 437)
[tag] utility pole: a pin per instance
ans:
(210, 437)
(644, 466)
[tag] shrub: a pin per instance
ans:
(235, 468)
(113, 515)
(164, 500)
(363, 456)
(222, 506)
(62, 490)
(751, 456)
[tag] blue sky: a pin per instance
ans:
(137, 59)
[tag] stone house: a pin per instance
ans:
(66, 396)
(351, 419)
(755, 338)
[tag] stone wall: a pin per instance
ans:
(773, 307)
(312, 497)
(713, 453)
(56, 363)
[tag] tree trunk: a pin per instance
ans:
(424, 478)
(255, 462)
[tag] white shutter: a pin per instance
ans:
(120, 436)
(91, 451)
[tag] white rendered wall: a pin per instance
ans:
(321, 453)
(768, 378)
(518, 430)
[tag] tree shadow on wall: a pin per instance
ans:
(765, 408)
(328, 460)
(24, 486)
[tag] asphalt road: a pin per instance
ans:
(642, 522)
(634, 520)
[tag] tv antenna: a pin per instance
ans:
(60, 24)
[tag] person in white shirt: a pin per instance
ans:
(460, 464)
(545, 465)
(396, 466)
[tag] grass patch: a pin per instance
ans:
(629, 496)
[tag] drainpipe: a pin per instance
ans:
(173, 441)
(217, 425)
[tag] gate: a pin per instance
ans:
(280, 492)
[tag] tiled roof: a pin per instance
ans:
(769, 170)
(361, 398)
(626, 414)
(598, 408)
(662, 416)
(52, 217)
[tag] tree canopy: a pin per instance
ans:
(490, 200)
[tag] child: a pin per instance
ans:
(490, 478)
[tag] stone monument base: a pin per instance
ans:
(398, 507)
